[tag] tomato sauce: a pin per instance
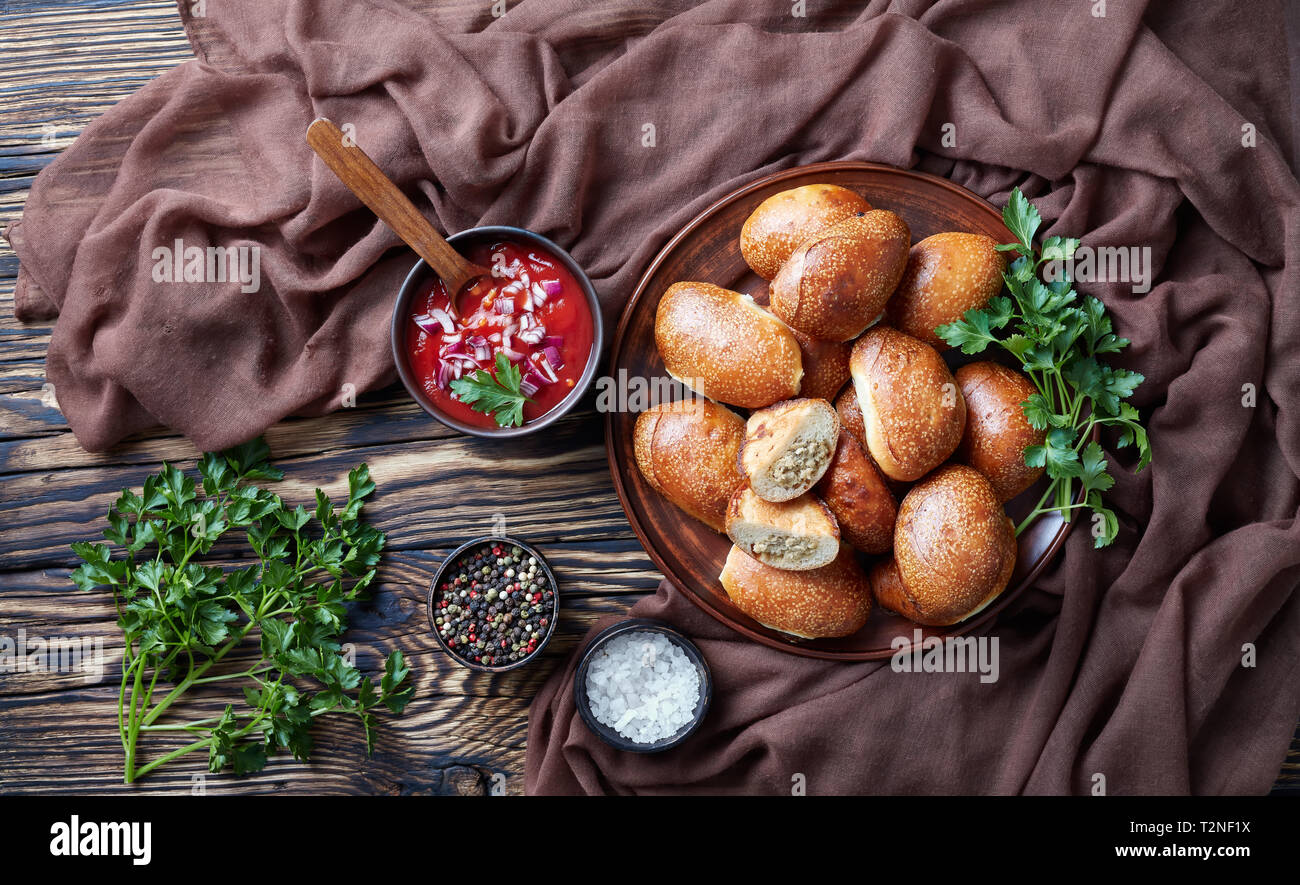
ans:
(531, 308)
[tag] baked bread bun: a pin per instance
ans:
(724, 346)
(825, 366)
(836, 283)
(913, 413)
(689, 452)
(784, 220)
(954, 550)
(795, 535)
(846, 406)
(833, 600)
(858, 497)
(997, 430)
(947, 275)
(788, 447)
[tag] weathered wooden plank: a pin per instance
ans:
(429, 493)
(383, 416)
(47, 605)
(58, 733)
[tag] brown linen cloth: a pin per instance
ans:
(1126, 128)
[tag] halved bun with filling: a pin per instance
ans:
(913, 413)
(788, 447)
(954, 550)
(833, 600)
(689, 452)
(795, 535)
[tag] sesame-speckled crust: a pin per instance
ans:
(725, 346)
(784, 220)
(889, 592)
(838, 282)
(825, 366)
(997, 430)
(857, 495)
(954, 546)
(846, 405)
(913, 413)
(688, 452)
(833, 600)
(947, 275)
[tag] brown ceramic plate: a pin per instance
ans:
(708, 249)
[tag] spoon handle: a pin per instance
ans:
(361, 176)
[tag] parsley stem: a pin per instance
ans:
(195, 672)
(175, 754)
(187, 726)
(1038, 508)
(243, 674)
(137, 690)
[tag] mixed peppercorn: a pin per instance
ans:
(495, 605)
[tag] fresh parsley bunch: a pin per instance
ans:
(180, 617)
(1058, 340)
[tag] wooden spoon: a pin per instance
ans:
(363, 178)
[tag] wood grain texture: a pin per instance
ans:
(63, 64)
(58, 730)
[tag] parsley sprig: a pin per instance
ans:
(1059, 340)
(496, 395)
(180, 617)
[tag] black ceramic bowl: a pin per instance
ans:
(608, 734)
(422, 274)
(446, 566)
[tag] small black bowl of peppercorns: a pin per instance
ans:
(493, 604)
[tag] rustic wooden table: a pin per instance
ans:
(61, 65)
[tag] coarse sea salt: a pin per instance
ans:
(643, 686)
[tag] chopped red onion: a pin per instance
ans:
(536, 380)
(443, 318)
(533, 335)
(435, 322)
(476, 341)
(553, 358)
(527, 388)
(455, 347)
(546, 370)
(513, 355)
(444, 374)
(505, 306)
(483, 353)
(553, 341)
(552, 287)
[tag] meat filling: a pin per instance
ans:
(801, 464)
(785, 547)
